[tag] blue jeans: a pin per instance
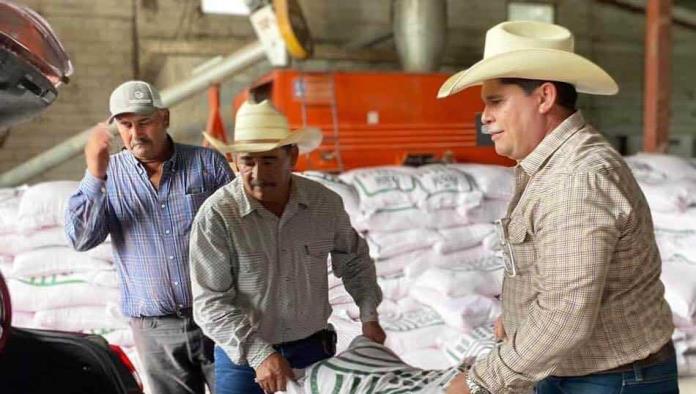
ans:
(658, 378)
(231, 378)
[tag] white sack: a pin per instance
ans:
(669, 195)
(445, 188)
(408, 218)
(488, 212)
(44, 204)
(394, 287)
(9, 208)
(38, 294)
(465, 237)
(81, 318)
(382, 188)
(368, 367)
(679, 278)
(496, 182)
(462, 313)
(16, 243)
(675, 220)
(347, 192)
(389, 244)
(658, 166)
(472, 345)
(414, 328)
(462, 280)
(55, 260)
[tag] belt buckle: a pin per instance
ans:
(180, 312)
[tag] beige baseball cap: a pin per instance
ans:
(134, 97)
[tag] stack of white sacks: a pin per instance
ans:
(51, 285)
(430, 232)
(669, 184)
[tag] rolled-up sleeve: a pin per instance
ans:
(576, 233)
(351, 262)
(87, 217)
(214, 292)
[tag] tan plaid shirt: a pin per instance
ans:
(259, 280)
(587, 296)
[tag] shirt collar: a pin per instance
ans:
(535, 160)
(169, 164)
(248, 204)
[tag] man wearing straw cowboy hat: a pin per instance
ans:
(583, 305)
(259, 250)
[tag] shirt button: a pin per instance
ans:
(166, 232)
(176, 283)
(163, 205)
(103, 190)
(171, 257)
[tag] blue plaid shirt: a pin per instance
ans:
(149, 228)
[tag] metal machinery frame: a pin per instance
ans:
(376, 118)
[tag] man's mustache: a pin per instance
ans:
(140, 141)
(262, 184)
(486, 129)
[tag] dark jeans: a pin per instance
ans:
(176, 356)
(658, 378)
(231, 378)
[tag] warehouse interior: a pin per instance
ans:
(375, 67)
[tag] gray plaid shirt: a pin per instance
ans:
(259, 280)
(587, 296)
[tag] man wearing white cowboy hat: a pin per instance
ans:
(259, 251)
(583, 305)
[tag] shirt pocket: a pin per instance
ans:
(192, 202)
(316, 259)
(521, 245)
(252, 274)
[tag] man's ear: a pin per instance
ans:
(548, 95)
(165, 117)
(233, 166)
(294, 155)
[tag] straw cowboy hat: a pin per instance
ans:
(261, 128)
(532, 50)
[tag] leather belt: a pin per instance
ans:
(180, 313)
(666, 352)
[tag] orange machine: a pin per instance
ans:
(377, 118)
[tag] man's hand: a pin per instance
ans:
(374, 331)
(499, 329)
(273, 373)
(458, 385)
(97, 150)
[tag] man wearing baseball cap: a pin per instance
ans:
(145, 197)
(583, 304)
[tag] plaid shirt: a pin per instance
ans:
(149, 227)
(587, 295)
(260, 280)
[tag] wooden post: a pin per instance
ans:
(658, 75)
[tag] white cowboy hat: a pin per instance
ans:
(261, 128)
(532, 50)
